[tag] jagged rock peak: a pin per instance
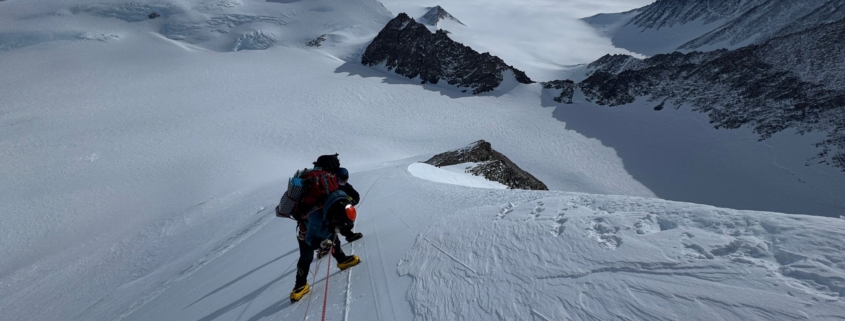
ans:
(409, 49)
(492, 165)
(436, 14)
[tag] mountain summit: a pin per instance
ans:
(408, 48)
(436, 14)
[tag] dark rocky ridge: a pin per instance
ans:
(668, 13)
(566, 87)
(791, 82)
(761, 20)
(729, 24)
(492, 165)
(411, 50)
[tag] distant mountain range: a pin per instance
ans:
(783, 69)
(669, 25)
(790, 76)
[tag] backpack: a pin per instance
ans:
(307, 191)
(333, 213)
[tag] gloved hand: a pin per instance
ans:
(326, 244)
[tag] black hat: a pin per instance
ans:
(329, 163)
(342, 174)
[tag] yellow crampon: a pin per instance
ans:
(350, 262)
(299, 292)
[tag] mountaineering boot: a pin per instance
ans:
(300, 288)
(353, 237)
(350, 262)
(299, 292)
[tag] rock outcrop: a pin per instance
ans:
(409, 49)
(492, 165)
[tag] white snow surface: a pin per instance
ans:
(678, 155)
(141, 161)
(453, 174)
(649, 41)
(434, 251)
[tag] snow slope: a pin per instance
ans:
(453, 174)
(142, 159)
(680, 156)
(436, 251)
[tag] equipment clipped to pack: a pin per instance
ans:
(351, 213)
(307, 191)
(293, 196)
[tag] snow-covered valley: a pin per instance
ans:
(142, 158)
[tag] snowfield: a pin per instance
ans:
(582, 257)
(435, 251)
(142, 158)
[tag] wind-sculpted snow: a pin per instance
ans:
(411, 50)
(130, 12)
(217, 5)
(585, 257)
(255, 40)
(15, 40)
(206, 30)
(788, 83)
(186, 27)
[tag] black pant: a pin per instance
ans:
(306, 256)
(346, 230)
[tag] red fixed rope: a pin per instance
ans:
(326, 295)
(313, 281)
